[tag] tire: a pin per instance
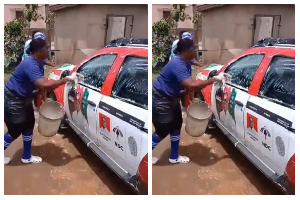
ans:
(199, 95)
(51, 95)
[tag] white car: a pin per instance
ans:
(256, 109)
(108, 109)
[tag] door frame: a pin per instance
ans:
(113, 15)
(254, 24)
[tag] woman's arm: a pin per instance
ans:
(43, 85)
(191, 85)
(50, 64)
(197, 63)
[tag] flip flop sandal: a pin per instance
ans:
(180, 159)
(6, 160)
(32, 159)
(154, 160)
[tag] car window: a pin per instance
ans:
(132, 81)
(96, 69)
(279, 81)
(244, 69)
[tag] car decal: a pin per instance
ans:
(66, 67)
(132, 146)
(269, 115)
(104, 124)
(53, 76)
(84, 103)
(122, 115)
(213, 67)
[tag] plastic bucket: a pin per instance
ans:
(198, 116)
(51, 114)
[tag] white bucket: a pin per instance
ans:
(198, 116)
(51, 114)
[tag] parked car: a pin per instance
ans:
(109, 109)
(256, 108)
(126, 41)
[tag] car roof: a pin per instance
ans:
(272, 51)
(124, 51)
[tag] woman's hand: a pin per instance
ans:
(72, 77)
(219, 78)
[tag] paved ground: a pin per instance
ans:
(216, 168)
(69, 168)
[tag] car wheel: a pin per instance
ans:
(199, 96)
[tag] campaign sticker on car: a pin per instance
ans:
(104, 124)
(122, 115)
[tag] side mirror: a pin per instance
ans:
(65, 73)
(212, 74)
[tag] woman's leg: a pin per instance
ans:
(175, 137)
(27, 138)
(161, 131)
(161, 118)
(14, 131)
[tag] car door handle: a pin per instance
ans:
(239, 103)
(143, 129)
(290, 129)
(91, 103)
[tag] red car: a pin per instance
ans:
(109, 109)
(256, 109)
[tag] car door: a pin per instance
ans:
(82, 100)
(229, 101)
(123, 115)
(272, 114)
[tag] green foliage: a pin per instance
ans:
(163, 34)
(16, 34)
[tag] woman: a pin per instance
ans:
(19, 91)
(174, 48)
(36, 35)
(174, 78)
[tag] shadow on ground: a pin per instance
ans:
(257, 179)
(47, 151)
(108, 177)
(208, 158)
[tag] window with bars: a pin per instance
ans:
(19, 14)
(166, 14)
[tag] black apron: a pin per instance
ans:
(16, 108)
(163, 107)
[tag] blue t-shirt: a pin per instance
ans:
(169, 79)
(21, 80)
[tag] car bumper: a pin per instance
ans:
(141, 186)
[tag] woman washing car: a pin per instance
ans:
(23, 84)
(175, 77)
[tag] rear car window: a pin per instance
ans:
(131, 84)
(279, 82)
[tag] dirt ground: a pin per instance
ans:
(216, 168)
(68, 168)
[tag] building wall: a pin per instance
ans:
(227, 31)
(81, 30)
(10, 14)
(157, 14)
